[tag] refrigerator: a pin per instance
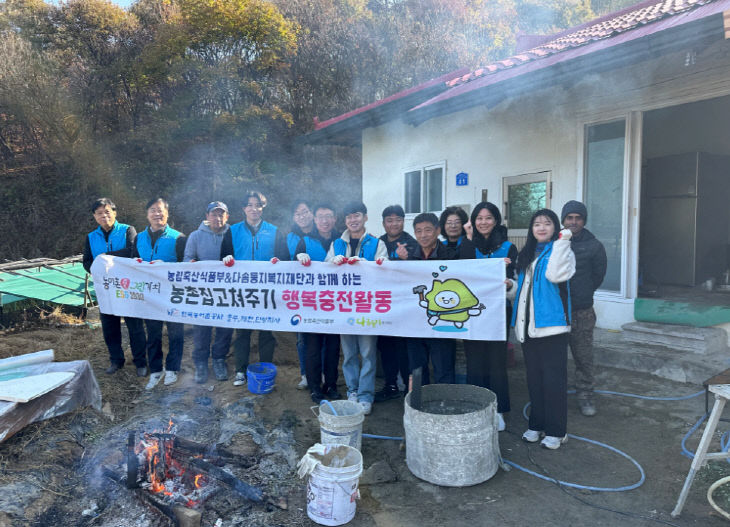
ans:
(685, 218)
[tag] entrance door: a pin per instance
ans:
(524, 195)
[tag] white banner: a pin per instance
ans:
(446, 299)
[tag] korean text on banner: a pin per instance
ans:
(442, 299)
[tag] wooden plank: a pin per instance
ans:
(29, 388)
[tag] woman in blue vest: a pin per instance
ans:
(110, 237)
(541, 318)
(486, 360)
(161, 243)
(303, 224)
(258, 240)
(452, 223)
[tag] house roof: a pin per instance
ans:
(641, 20)
(449, 92)
(341, 129)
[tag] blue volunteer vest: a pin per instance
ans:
(314, 249)
(368, 247)
(117, 239)
(501, 252)
(546, 301)
(258, 247)
(458, 242)
(164, 248)
(292, 240)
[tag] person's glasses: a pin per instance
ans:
(156, 211)
(301, 214)
(324, 217)
(453, 224)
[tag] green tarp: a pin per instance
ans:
(62, 284)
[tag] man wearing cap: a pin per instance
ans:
(590, 268)
(205, 244)
(259, 240)
(393, 350)
(359, 351)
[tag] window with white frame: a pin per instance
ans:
(424, 189)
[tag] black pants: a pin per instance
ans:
(175, 335)
(486, 366)
(111, 328)
(313, 360)
(546, 362)
(242, 347)
(443, 357)
(394, 358)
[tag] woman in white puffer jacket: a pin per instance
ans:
(541, 318)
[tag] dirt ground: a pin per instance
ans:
(51, 456)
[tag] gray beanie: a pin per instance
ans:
(574, 207)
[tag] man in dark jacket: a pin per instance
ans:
(442, 352)
(590, 268)
(393, 351)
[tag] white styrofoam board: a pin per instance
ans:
(28, 388)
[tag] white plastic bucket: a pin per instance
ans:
(332, 491)
(344, 428)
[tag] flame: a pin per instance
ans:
(153, 449)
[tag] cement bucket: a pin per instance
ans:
(452, 440)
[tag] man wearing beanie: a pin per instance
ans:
(590, 268)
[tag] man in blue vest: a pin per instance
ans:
(393, 350)
(161, 243)
(109, 237)
(258, 240)
(322, 351)
(354, 245)
(205, 244)
(303, 224)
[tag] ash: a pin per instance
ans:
(264, 456)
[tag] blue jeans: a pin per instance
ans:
(358, 366)
(201, 343)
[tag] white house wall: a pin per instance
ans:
(543, 131)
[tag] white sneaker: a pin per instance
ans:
(154, 380)
(352, 396)
(552, 442)
(170, 377)
(531, 436)
(500, 423)
(303, 385)
(240, 379)
(366, 407)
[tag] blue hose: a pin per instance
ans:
(325, 401)
(589, 487)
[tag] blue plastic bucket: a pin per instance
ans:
(261, 377)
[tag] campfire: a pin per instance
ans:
(176, 476)
(164, 471)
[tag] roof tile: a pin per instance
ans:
(598, 29)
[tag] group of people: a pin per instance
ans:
(550, 285)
